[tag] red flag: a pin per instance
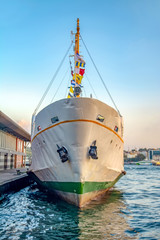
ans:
(81, 71)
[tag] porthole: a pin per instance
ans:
(100, 118)
(54, 119)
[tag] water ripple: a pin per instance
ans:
(130, 211)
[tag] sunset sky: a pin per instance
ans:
(123, 38)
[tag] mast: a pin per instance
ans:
(79, 68)
(77, 38)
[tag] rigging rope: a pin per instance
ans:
(67, 87)
(91, 85)
(84, 92)
(100, 77)
(52, 80)
(60, 84)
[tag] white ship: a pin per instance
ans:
(77, 143)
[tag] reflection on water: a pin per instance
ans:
(105, 219)
(30, 214)
(130, 211)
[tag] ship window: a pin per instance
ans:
(100, 118)
(54, 119)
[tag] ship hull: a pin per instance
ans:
(77, 127)
(76, 193)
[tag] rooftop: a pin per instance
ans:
(8, 125)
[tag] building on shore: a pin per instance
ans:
(13, 140)
(144, 152)
(154, 154)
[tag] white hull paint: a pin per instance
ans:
(76, 129)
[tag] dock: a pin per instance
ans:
(13, 179)
(13, 158)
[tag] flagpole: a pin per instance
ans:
(76, 48)
(77, 38)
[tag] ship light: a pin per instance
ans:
(93, 151)
(39, 128)
(116, 129)
(77, 91)
(63, 153)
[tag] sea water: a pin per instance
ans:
(130, 211)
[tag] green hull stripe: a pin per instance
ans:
(77, 187)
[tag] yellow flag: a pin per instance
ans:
(71, 89)
(79, 79)
(70, 94)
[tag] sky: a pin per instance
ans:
(123, 38)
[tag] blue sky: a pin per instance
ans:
(123, 37)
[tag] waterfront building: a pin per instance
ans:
(132, 154)
(13, 140)
(154, 154)
(143, 151)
